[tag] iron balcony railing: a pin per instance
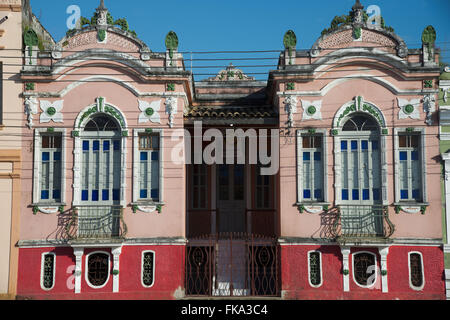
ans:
(96, 222)
(361, 221)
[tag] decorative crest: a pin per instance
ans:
(231, 74)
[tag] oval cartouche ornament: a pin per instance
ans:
(290, 39)
(172, 40)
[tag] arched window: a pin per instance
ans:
(364, 268)
(416, 270)
(98, 269)
(48, 271)
(360, 123)
(148, 268)
(315, 268)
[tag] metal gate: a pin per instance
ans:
(232, 264)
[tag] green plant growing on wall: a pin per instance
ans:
(346, 20)
(122, 23)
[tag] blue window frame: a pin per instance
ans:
(149, 167)
(312, 168)
(50, 174)
(410, 167)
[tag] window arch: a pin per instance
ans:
(360, 122)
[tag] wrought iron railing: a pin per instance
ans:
(232, 264)
(96, 222)
(361, 221)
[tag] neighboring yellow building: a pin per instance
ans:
(11, 110)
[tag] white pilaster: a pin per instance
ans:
(116, 263)
(78, 252)
(384, 251)
(345, 267)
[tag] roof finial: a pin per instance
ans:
(102, 14)
(102, 5)
(357, 6)
(357, 13)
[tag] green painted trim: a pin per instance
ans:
(51, 111)
(88, 113)
(347, 111)
(311, 110)
(290, 86)
(101, 35)
(112, 111)
(428, 83)
(30, 86)
(357, 33)
(447, 260)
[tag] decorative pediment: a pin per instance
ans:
(231, 73)
(346, 29)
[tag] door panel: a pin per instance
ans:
(231, 198)
(100, 173)
(361, 186)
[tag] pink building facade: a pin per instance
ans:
(113, 208)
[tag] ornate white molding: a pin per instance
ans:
(410, 209)
(429, 107)
(313, 209)
(48, 209)
(51, 111)
(150, 111)
(171, 109)
(290, 108)
(312, 110)
(31, 109)
(408, 109)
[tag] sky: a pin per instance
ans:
(205, 26)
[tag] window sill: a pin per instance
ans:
(312, 207)
(48, 208)
(411, 207)
(147, 206)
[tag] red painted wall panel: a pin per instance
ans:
(295, 285)
(169, 274)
